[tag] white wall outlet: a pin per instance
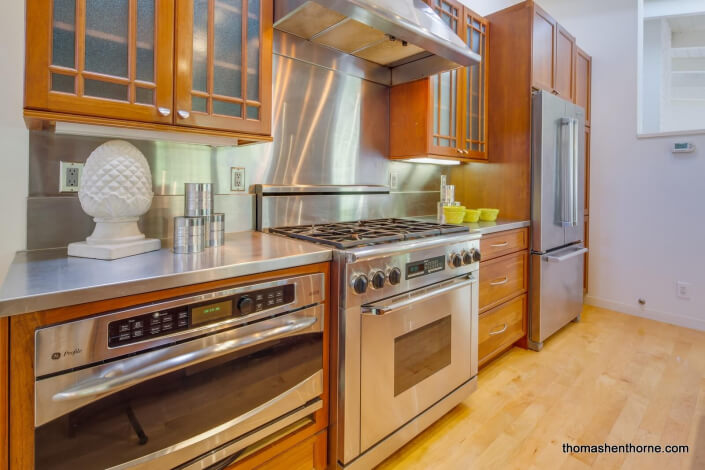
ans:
(683, 290)
(69, 176)
(393, 180)
(237, 179)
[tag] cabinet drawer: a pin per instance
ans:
(503, 243)
(501, 327)
(502, 278)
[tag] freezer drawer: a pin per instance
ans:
(556, 291)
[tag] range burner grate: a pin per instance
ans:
(345, 235)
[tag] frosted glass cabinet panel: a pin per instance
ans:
(108, 58)
(224, 64)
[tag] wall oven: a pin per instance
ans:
(194, 382)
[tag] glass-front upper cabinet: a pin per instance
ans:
(104, 58)
(475, 87)
(224, 64)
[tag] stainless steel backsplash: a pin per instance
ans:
(329, 127)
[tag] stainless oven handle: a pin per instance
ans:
(109, 383)
(385, 309)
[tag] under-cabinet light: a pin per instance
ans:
(434, 161)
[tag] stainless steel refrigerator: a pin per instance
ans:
(557, 210)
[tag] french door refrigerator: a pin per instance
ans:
(557, 209)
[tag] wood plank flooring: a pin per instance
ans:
(611, 378)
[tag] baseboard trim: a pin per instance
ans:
(635, 310)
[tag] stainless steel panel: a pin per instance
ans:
(553, 155)
(90, 336)
(382, 411)
(60, 394)
(556, 291)
(403, 435)
(39, 280)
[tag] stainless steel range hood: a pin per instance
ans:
(406, 36)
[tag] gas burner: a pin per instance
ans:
(367, 232)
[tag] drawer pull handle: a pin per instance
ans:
(499, 283)
(499, 332)
(499, 245)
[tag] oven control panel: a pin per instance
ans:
(165, 322)
(424, 267)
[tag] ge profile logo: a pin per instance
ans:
(56, 356)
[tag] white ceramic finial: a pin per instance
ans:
(115, 189)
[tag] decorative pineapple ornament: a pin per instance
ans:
(115, 189)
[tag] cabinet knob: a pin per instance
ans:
(164, 111)
(184, 114)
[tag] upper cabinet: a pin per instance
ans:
(196, 65)
(553, 55)
(583, 77)
(224, 64)
(445, 115)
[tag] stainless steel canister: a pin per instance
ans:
(189, 235)
(198, 199)
(216, 229)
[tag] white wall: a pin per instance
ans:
(13, 135)
(647, 207)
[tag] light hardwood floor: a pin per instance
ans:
(612, 378)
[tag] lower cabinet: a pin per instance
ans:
(306, 455)
(504, 283)
(501, 327)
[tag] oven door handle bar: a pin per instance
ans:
(409, 299)
(108, 383)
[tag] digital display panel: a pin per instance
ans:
(427, 266)
(208, 313)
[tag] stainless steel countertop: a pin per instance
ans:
(45, 279)
(485, 228)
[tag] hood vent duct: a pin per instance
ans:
(406, 36)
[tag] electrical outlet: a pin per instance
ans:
(70, 176)
(393, 180)
(683, 290)
(237, 179)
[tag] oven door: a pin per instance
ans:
(416, 348)
(190, 404)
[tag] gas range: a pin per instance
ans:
(405, 294)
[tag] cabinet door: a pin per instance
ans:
(445, 87)
(543, 50)
(583, 74)
(565, 64)
(474, 95)
(224, 64)
(107, 58)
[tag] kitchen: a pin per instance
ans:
(318, 141)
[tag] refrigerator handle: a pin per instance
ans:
(575, 149)
(566, 163)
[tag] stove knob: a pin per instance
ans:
(476, 254)
(455, 260)
(246, 305)
(359, 283)
(467, 257)
(378, 279)
(394, 276)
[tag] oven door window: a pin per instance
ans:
(421, 353)
(168, 410)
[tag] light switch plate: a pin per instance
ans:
(69, 176)
(237, 179)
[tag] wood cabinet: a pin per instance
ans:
(445, 115)
(500, 328)
(154, 64)
(503, 292)
(583, 80)
(553, 52)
